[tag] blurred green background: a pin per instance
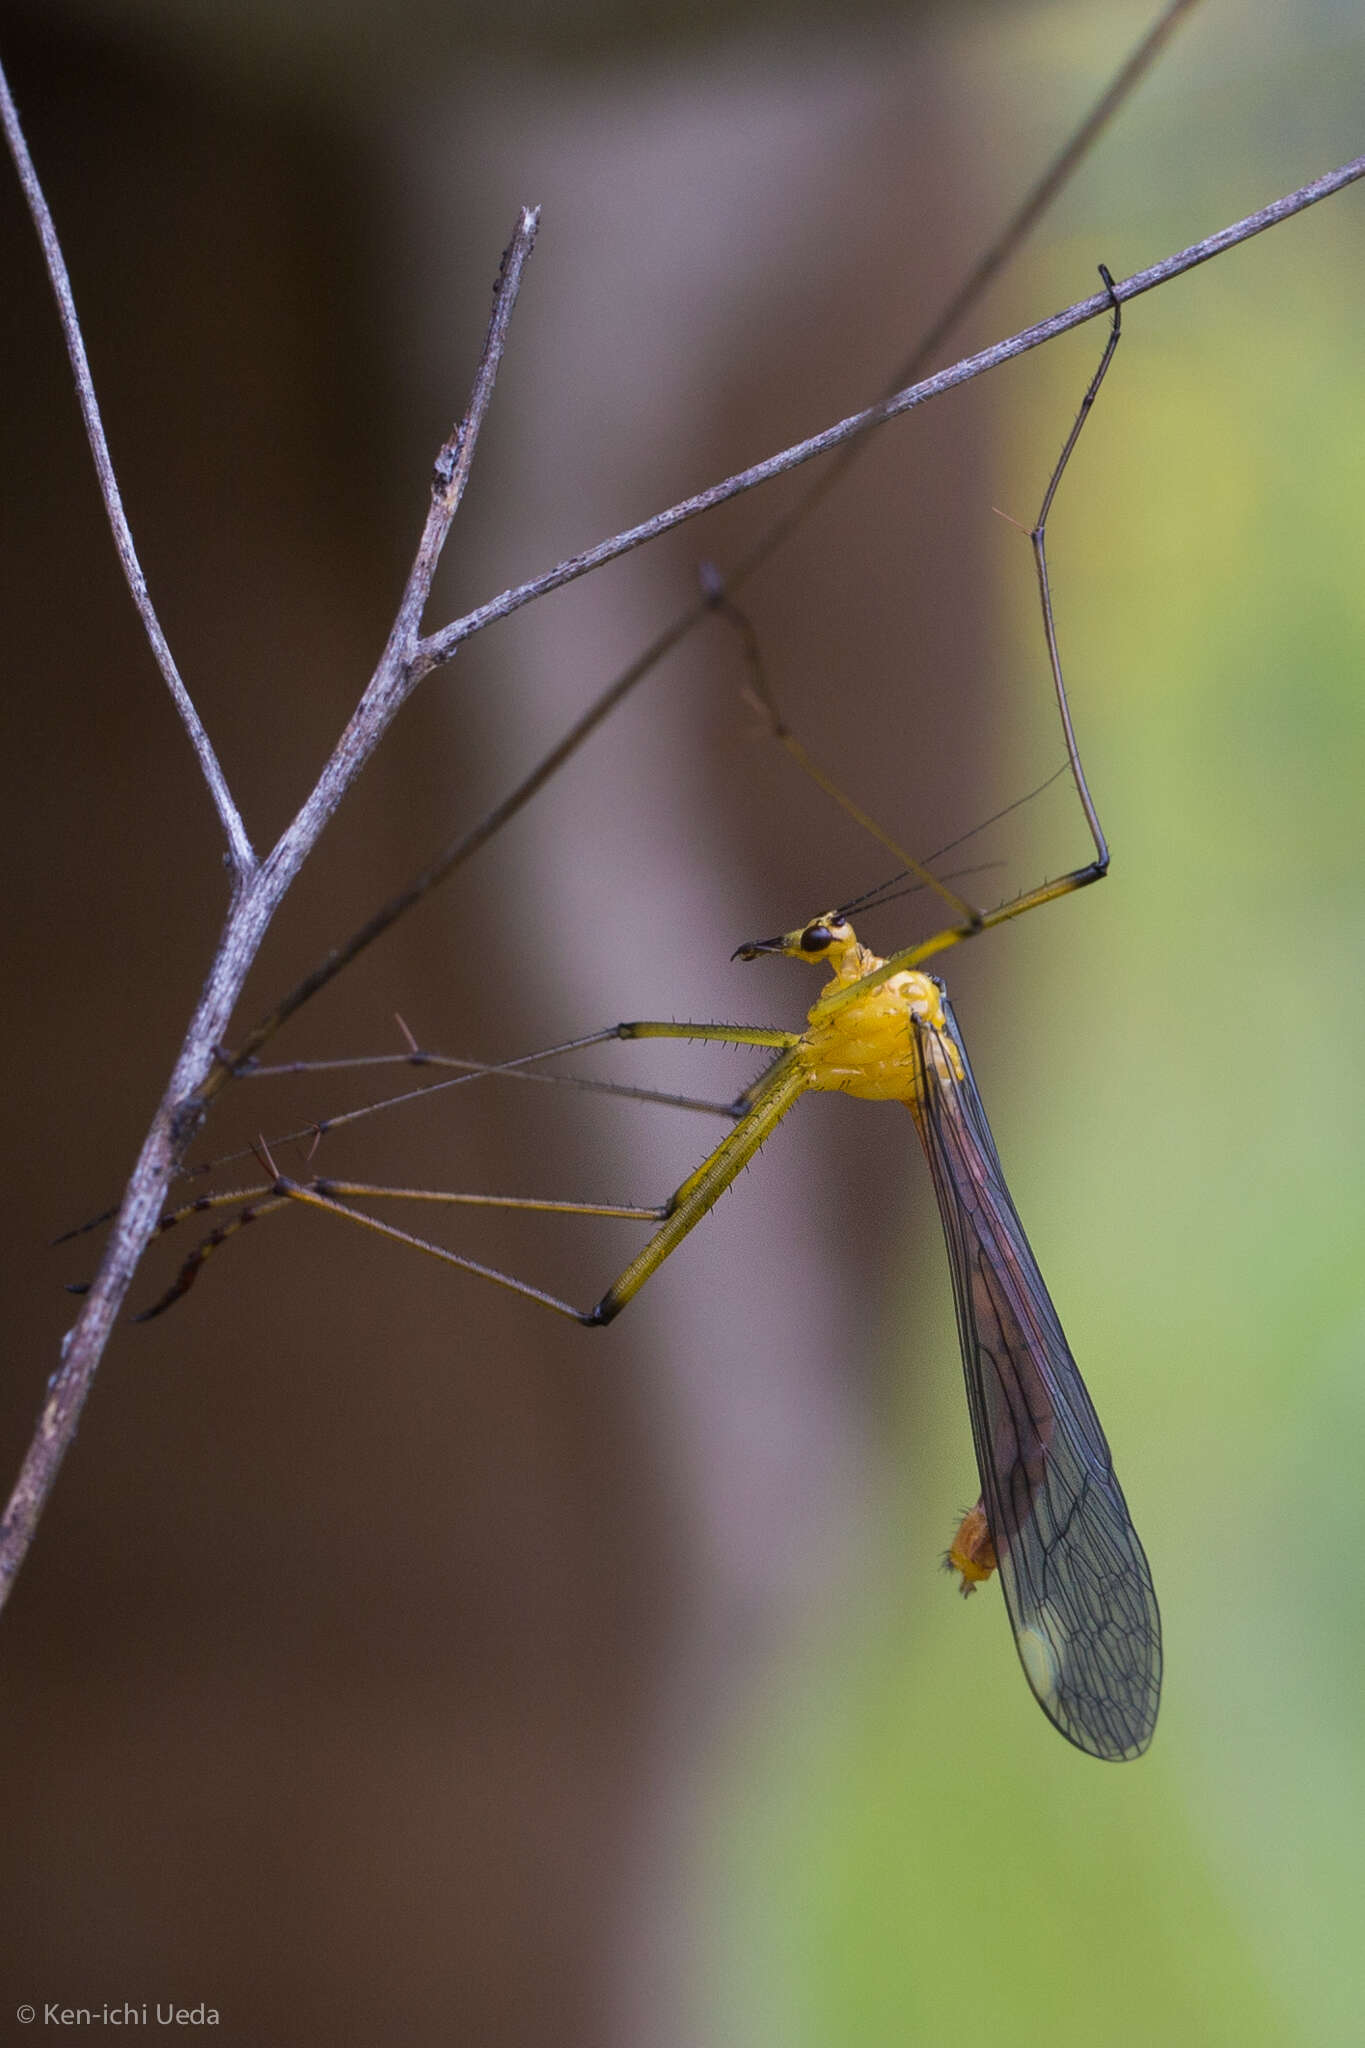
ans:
(380, 1673)
(1177, 1088)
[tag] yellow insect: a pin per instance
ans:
(1052, 1517)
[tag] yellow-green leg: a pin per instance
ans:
(768, 1102)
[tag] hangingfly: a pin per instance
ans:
(1052, 1518)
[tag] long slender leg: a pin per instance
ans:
(520, 1069)
(1092, 870)
(785, 1081)
(770, 1100)
(690, 1202)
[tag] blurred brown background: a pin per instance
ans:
(363, 1679)
(393, 1663)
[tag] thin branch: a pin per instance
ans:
(1036, 203)
(973, 287)
(456, 458)
(439, 647)
(240, 853)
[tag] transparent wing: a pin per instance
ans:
(1075, 1578)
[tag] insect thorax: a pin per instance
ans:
(875, 1045)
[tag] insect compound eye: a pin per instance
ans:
(816, 937)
